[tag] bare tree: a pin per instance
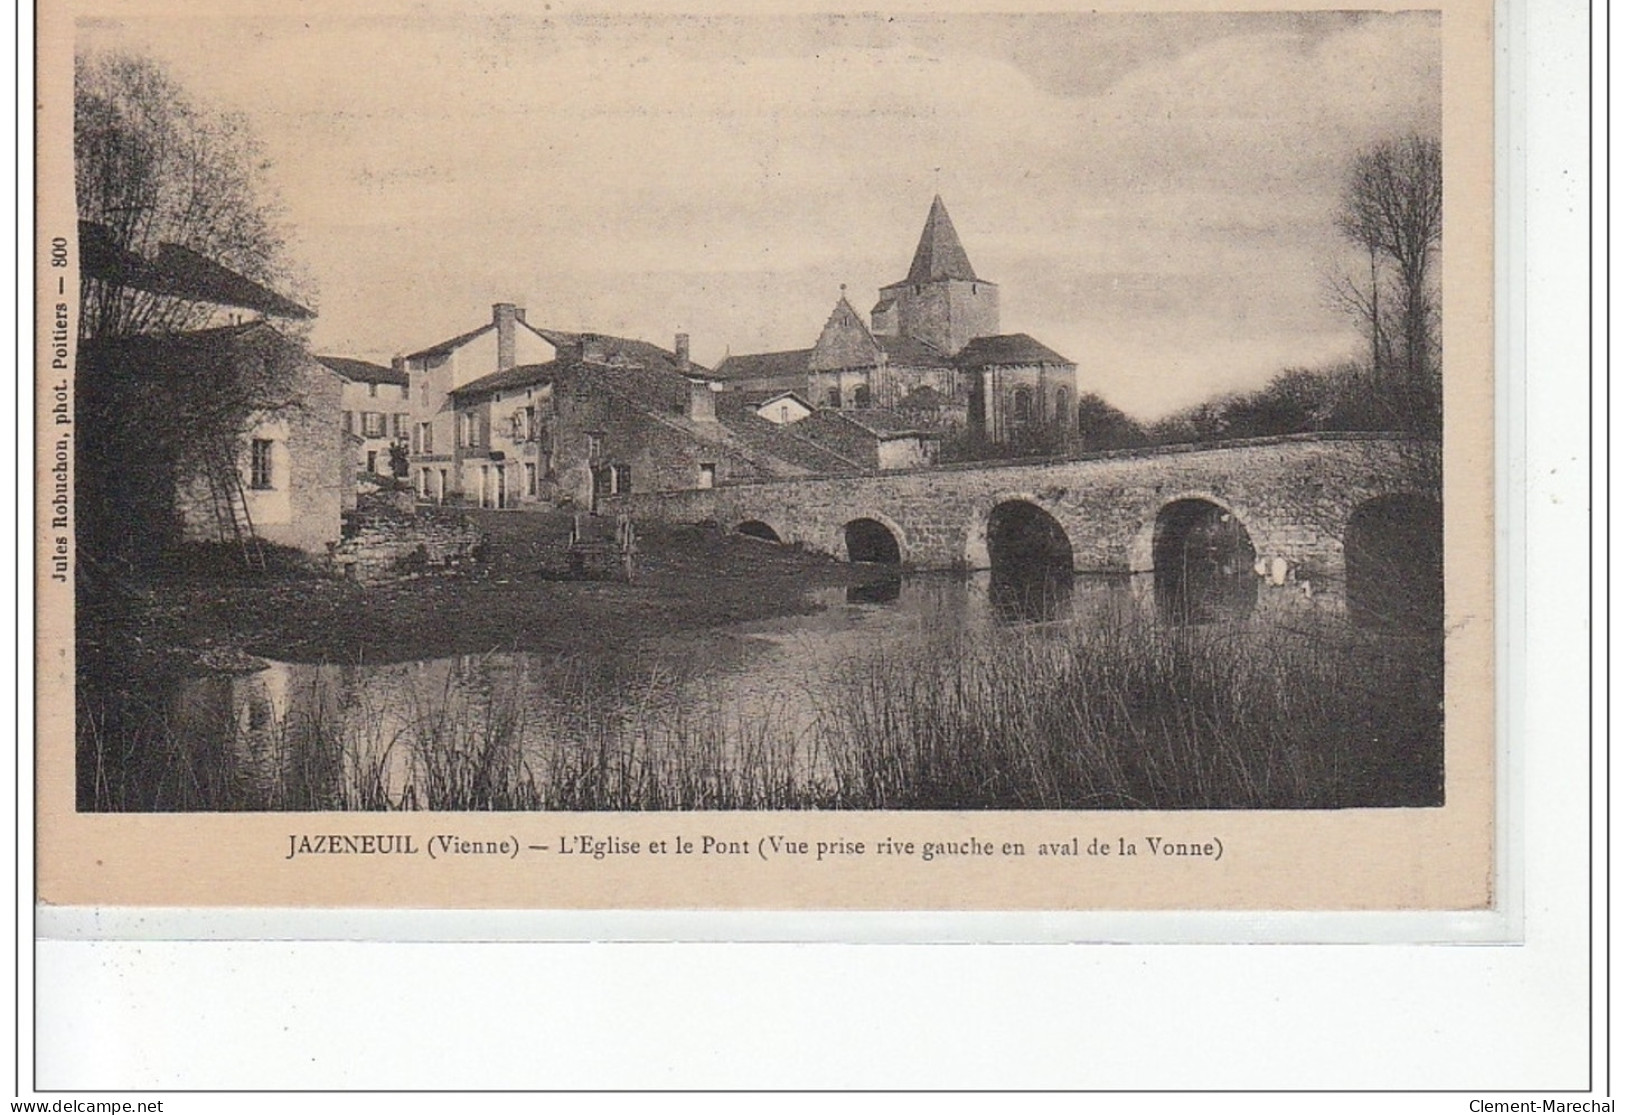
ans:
(1393, 207)
(152, 167)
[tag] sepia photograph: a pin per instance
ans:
(520, 412)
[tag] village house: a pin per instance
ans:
(610, 416)
(435, 442)
(282, 476)
(376, 412)
(931, 350)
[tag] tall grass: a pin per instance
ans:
(1123, 713)
(1132, 714)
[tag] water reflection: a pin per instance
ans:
(883, 591)
(505, 730)
(1031, 593)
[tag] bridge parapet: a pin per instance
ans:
(1293, 496)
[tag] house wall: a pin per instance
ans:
(391, 401)
(904, 452)
(310, 470)
(507, 465)
(653, 455)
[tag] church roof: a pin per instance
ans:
(790, 365)
(940, 255)
(1006, 350)
(912, 352)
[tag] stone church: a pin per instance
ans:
(931, 347)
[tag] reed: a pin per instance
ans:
(1122, 713)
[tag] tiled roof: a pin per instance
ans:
(364, 371)
(1006, 349)
(881, 422)
(179, 272)
(912, 352)
(790, 444)
(784, 395)
(552, 337)
(523, 375)
(456, 342)
(763, 365)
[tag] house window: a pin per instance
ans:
(708, 476)
(471, 429)
(834, 398)
(372, 460)
(620, 480)
(259, 465)
(349, 421)
(1060, 405)
(530, 478)
(425, 437)
(372, 424)
(398, 427)
(1021, 404)
(860, 395)
(372, 390)
(595, 444)
(784, 416)
(406, 391)
(521, 424)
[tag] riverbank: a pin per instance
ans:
(688, 579)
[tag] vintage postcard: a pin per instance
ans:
(601, 457)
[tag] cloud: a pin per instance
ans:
(725, 174)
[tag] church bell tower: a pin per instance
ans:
(942, 302)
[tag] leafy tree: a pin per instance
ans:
(152, 167)
(1103, 426)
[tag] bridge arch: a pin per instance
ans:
(759, 528)
(1201, 555)
(1393, 561)
(983, 531)
(870, 536)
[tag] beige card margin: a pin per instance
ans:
(1422, 859)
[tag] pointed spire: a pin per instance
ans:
(940, 254)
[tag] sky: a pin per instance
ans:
(1153, 194)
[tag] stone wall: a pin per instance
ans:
(1294, 496)
(383, 540)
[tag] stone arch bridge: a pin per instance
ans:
(1296, 500)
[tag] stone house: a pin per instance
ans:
(505, 342)
(376, 405)
(146, 395)
(608, 416)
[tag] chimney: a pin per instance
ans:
(519, 313)
(702, 404)
(682, 352)
(398, 363)
(504, 314)
(593, 349)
